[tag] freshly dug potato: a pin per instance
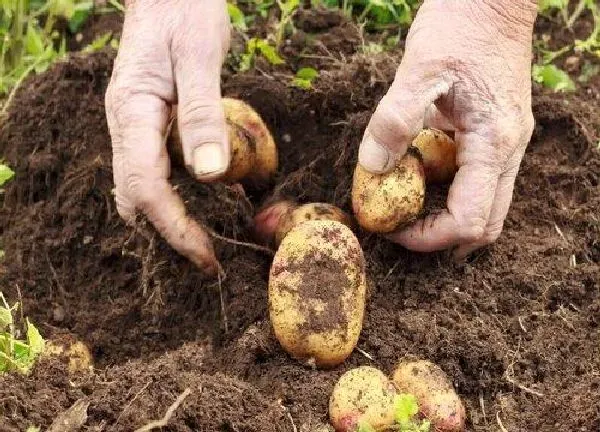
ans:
(362, 395)
(254, 155)
(274, 222)
(78, 354)
(317, 287)
(438, 152)
(434, 392)
(383, 203)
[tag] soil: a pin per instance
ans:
(516, 328)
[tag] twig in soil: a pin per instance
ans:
(366, 354)
(223, 308)
(482, 404)
(60, 286)
(500, 425)
(170, 411)
(289, 416)
(522, 387)
(520, 319)
(131, 402)
(241, 243)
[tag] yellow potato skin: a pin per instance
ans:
(317, 287)
(438, 152)
(80, 358)
(241, 114)
(435, 394)
(306, 212)
(364, 394)
(383, 203)
(253, 154)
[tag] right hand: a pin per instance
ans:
(171, 52)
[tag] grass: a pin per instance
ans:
(30, 41)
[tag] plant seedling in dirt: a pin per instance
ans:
(254, 47)
(287, 8)
(6, 173)
(17, 354)
(552, 77)
(305, 77)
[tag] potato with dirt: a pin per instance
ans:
(383, 203)
(254, 154)
(76, 353)
(438, 154)
(362, 396)
(437, 399)
(317, 288)
(273, 222)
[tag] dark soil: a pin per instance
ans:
(516, 328)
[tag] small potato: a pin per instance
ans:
(437, 399)
(274, 222)
(363, 395)
(254, 155)
(317, 287)
(383, 203)
(78, 354)
(438, 151)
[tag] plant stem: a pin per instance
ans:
(576, 13)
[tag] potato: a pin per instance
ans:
(317, 287)
(383, 203)
(254, 155)
(362, 395)
(435, 394)
(438, 152)
(274, 222)
(78, 354)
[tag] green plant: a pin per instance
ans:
(287, 8)
(552, 77)
(5, 174)
(254, 47)
(406, 409)
(304, 77)
(16, 354)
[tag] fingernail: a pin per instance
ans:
(373, 156)
(209, 160)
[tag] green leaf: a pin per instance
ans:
(98, 43)
(552, 77)
(588, 71)
(5, 318)
(547, 5)
(405, 408)
(307, 73)
(238, 20)
(5, 174)
(265, 49)
(34, 44)
(35, 340)
(80, 15)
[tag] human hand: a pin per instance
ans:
(467, 69)
(171, 52)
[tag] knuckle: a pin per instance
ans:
(389, 120)
(472, 230)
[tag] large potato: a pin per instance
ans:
(254, 155)
(436, 397)
(363, 395)
(383, 203)
(438, 152)
(274, 222)
(317, 287)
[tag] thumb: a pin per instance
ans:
(398, 119)
(197, 59)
